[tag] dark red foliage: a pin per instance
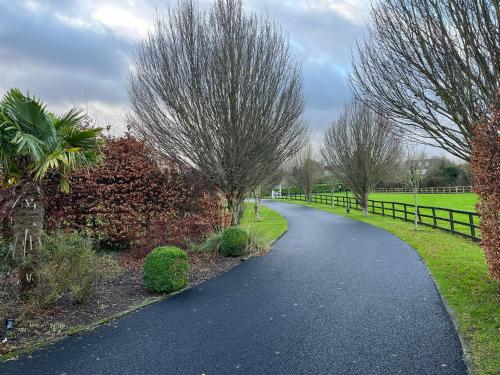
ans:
(133, 202)
(485, 167)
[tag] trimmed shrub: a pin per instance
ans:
(166, 269)
(234, 242)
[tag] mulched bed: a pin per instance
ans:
(111, 297)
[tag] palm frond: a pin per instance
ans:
(43, 141)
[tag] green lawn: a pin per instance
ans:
(459, 268)
(461, 201)
(269, 226)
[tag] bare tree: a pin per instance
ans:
(218, 90)
(268, 184)
(415, 168)
(332, 181)
(362, 149)
(432, 66)
(305, 170)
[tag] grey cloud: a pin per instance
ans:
(325, 34)
(63, 63)
(38, 36)
(324, 86)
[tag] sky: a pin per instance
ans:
(78, 52)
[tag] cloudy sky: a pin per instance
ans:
(78, 52)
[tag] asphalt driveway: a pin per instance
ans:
(335, 296)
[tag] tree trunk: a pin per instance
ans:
(28, 214)
(364, 203)
(415, 227)
(235, 207)
(257, 195)
(308, 194)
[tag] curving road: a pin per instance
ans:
(334, 296)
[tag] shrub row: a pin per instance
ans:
(135, 198)
(166, 268)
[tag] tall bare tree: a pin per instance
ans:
(361, 149)
(432, 66)
(218, 90)
(414, 174)
(306, 170)
(332, 181)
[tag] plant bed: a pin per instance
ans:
(112, 296)
(121, 293)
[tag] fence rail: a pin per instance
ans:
(464, 223)
(428, 190)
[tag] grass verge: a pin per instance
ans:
(459, 270)
(268, 225)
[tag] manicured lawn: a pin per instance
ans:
(269, 226)
(459, 268)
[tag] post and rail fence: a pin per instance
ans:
(464, 223)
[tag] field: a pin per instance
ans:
(461, 201)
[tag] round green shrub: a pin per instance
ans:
(234, 242)
(166, 269)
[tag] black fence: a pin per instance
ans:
(465, 223)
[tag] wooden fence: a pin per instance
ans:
(465, 223)
(428, 190)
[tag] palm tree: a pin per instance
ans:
(35, 144)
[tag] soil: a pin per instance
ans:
(112, 296)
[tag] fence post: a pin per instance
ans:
(406, 212)
(373, 206)
(452, 223)
(434, 217)
(393, 211)
(383, 209)
(472, 229)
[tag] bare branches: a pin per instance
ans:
(305, 170)
(219, 90)
(414, 174)
(432, 66)
(361, 149)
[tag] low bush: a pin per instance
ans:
(69, 266)
(234, 242)
(166, 270)
(211, 243)
(256, 242)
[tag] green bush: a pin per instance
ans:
(234, 242)
(166, 269)
(68, 265)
